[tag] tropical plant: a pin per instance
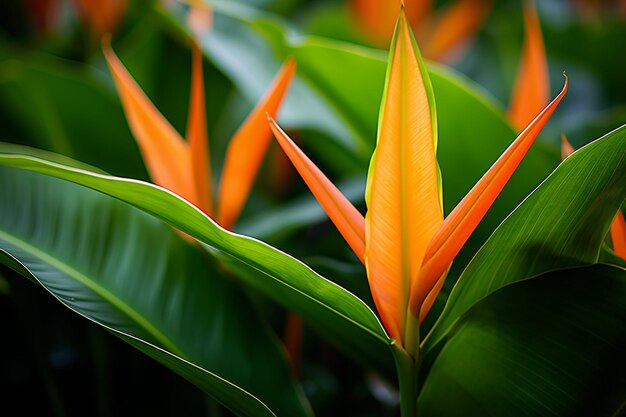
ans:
(528, 319)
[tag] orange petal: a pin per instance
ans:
(377, 18)
(566, 148)
(343, 214)
(197, 135)
(532, 87)
(247, 149)
(165, 153)
(462, 221)
(404, 208)
(618, 235)
(431, 297)
(454, 26)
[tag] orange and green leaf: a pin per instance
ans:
(164, 152)
(618, 235)
(341, 212)
(462, 221)
(531, 92)
(247, 149)
(456, 25)
(404, 207)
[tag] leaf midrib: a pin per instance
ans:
(111, 298)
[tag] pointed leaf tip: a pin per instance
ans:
(165, 153)
(466, 216)
(346, 218)
(248, 147)
(404, 209)
(566, 148)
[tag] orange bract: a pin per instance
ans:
(454, 26)
(343, 214)
(408, 245)
(404, 209)
(566, 148)
(183, 167)
(532, 87)
(248, 147)
(618, 235)
(165, 153)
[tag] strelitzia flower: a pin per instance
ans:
(404, 241)
(441, 33)
(182, 166)
(618, 226)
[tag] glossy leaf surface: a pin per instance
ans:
(562, 224)
(552, 345)
(283, 278)
(134, 276)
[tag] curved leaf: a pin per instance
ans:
(562, 224)
(134, 276)
(553, 345)
(283, 278)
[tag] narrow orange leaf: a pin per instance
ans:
(165, 153)
(532, 87)
(377, 18)
(453, 27)
(404, 209)
(618, 235)
(197, 136)
(341, 212)
(247, 149)
(431, 298)
(566, 148)
(462, 221)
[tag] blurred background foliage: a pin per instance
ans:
(56, 95)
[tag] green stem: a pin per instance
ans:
(407, 367)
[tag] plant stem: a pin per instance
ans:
(407, 368)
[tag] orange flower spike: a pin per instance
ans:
(566, 148)
(199, 20)
(618, 235)
(457, 24)
(532, 87)
(462, 221)
(247, 149)
(165, 153)
(342, 213)
(377, 18)
(404, 206)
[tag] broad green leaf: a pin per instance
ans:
(133, 275)
(283, 278)
(562, 224)
(553, 345)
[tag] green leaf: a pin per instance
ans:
(283, 278)
(133, 275)
(553, 345)
(562, 224)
